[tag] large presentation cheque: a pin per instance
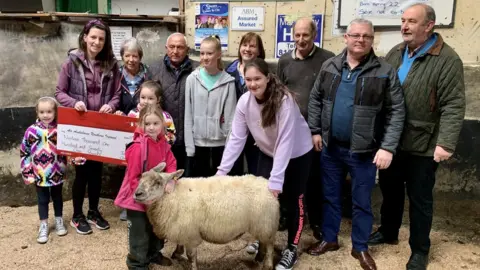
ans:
(95, 136)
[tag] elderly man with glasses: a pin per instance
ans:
(356, 115)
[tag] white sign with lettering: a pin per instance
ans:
(385, 8)
(119, 34)
(248, 18)
(93, 141)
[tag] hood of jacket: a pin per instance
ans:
(222, 80)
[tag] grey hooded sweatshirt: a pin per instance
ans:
(208, 114)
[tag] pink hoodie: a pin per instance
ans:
(142, 154)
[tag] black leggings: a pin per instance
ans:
(251, 153)
(89, 174)
(44, 194)
(294, 185)
(207, 159)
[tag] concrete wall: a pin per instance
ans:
(32, 56)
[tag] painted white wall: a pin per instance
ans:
(143, 7)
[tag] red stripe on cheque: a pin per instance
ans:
(69, 116)
(92, 119)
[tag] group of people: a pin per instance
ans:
(320, 117)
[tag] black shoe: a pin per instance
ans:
(80, 224)
(417, 262)
(95, 218)
(317, 232)
(377, 238)
(288, 260)
(161, 260)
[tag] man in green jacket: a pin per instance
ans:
(431, 74)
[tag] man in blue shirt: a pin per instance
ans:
(356, 115)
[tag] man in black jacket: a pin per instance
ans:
(356, 111)
(172, 72)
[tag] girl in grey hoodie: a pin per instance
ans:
(210, 101)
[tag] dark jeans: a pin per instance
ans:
(178, 151)
(294, 185)
(417, 174)
(143, 244)
(88, 174)
(250, 152)
(207, 159)
(314, 192)
(336, 162)
(44, 194)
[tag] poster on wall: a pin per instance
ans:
(248, 18)
(284, 36)
(119, 34)
(211, 19)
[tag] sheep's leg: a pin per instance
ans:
(178, 253)
(261, 252)
(268, 262)
(192, 257)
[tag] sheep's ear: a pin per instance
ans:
(177, 174)
(160, 167)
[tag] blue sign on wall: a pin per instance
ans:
(211, 19)
(284, 42)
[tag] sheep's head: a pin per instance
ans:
(152, 183)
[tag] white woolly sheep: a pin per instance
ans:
(217, 209)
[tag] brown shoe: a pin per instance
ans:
(320, 248)
(366, 261)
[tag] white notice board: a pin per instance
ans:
(119, 34)
(389, 12)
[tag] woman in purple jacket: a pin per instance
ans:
(89, 80)
(271, 115)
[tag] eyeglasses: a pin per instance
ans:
(358, 36)
(215, 36)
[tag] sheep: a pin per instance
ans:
(217, 209)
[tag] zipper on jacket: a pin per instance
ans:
(329, 97)
(361, 90)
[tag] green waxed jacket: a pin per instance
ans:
(434, 92)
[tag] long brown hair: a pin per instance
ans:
(274, 93)
(258, 40)
(106, 55)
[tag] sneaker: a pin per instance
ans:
(95, 218)
(60, 227)
(123, 215)
(289, 258)
(43, 233)
(253, 247)
(80, 224)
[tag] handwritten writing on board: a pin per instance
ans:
(93, 141)
(384, 8)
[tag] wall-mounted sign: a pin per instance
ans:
(248, 18)
(211, 19)
(119, 34)
(284, 41)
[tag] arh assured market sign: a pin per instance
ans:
(248, 18)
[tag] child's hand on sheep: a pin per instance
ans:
(170, 186)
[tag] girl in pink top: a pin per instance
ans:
(269, 112)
